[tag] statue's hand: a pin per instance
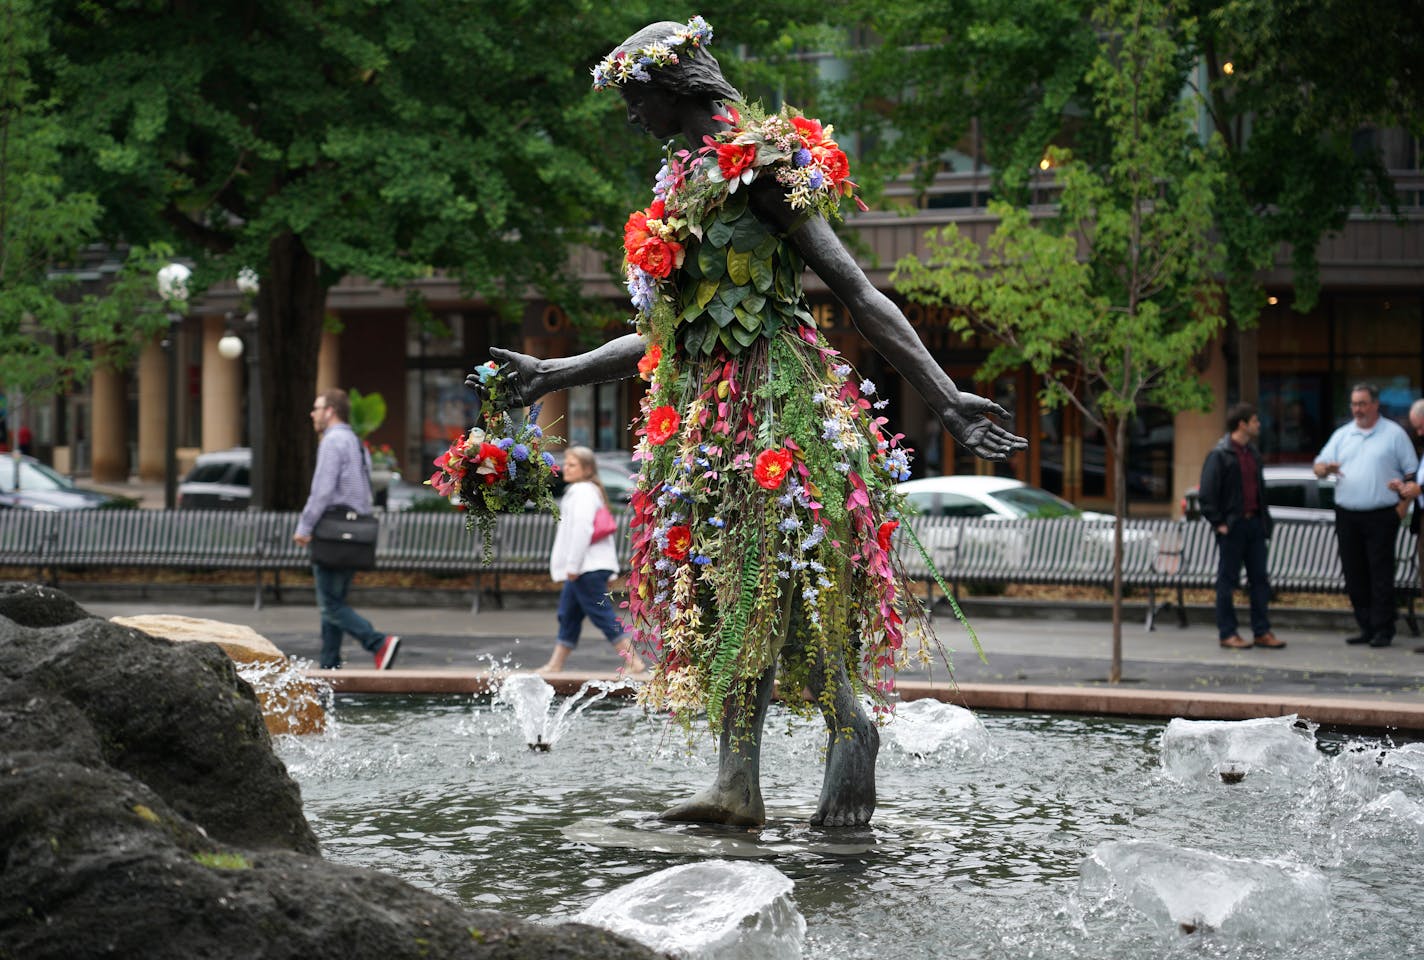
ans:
(523, 381)
(968, 422)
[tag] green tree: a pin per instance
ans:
(1288, 86)
(50, 324)
(1111, 301)
(383, 138)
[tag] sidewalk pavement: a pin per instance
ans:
(1020, 651)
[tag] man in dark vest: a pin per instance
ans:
(1233, 501)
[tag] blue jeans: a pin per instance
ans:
(1243, 542)
(587, 596)
(337, 618)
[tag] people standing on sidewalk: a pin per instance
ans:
(1233, 501)
(1412, 492)
(584, 565)
(1368, 456)
(341, 479)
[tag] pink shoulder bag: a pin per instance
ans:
(604, 523)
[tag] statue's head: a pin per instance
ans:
(672, 57)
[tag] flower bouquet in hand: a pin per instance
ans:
(501, 465)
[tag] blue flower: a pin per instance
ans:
(867, 387)
(504, 443)
(841, 370)
(802, 157)
(816, 179)
(717, 522)
(548, 458)
(534, 411)
(701, 560)
(519, 452)
(790, 523)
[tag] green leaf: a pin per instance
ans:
(750, 234)
(712, 261)
(762, 273)
(739, 267)
(732, 293)
(720, 312)
(720, 232)
(706, 290)
(747, 320)
(742, 335)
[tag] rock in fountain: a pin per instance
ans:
(1193, 891)
(1234, 749)
(714, 910)
(290, 702)
(144, 814)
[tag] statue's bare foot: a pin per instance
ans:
(734, 808)
(848, 789)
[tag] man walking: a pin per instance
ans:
(341, 479)
(1370, 456)
(1233, 500)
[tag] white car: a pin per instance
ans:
(996, 499)
(976, 496)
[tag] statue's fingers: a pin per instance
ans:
(996, 410)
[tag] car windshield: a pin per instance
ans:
(33, 476)
(1036, 503)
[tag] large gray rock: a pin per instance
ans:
(143, 814)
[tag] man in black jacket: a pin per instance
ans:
(1233, 501)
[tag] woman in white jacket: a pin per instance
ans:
(584, 565)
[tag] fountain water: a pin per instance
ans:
(982, 847)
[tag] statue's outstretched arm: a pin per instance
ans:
(531, 378)
(964, 415)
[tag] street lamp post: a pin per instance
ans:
(173, 288)
(232, 346)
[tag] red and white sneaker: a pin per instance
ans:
(386, 654)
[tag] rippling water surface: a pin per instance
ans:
(974, 850)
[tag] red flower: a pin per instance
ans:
(657, 257)
(635, 231)
(491, 463)
(656, 211)
(771, 468)
(836, 165)
(810, 130)
(650, 362)
(882, 536)
(679, 541)
(662, 424)
(733, 158)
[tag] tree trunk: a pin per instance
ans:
(1119, 459)
(290, 308)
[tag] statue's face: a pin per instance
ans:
(652, 108)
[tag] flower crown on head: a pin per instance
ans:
(620, 66)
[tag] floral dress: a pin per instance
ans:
(764, 508)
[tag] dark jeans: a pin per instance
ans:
(587, 596)
(1243, 542)
(1366, 540)
(337, 618)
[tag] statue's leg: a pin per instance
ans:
(848, 787)
(734, 798)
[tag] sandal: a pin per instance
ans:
(1234, 642)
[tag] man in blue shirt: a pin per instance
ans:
(1370, 457)
(342, 479)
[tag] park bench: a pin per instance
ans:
(1161, 556)
(261, 542)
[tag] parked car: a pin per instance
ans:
(999, 499)
(1293, 492)
(221, 480)
(43, 488)
(618, 472)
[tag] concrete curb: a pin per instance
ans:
(1339, 712)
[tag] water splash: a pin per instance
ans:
(531, 696)
(714, 910)
(292, 703)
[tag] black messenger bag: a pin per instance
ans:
(345, 540)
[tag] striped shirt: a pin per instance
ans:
(341, 479)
